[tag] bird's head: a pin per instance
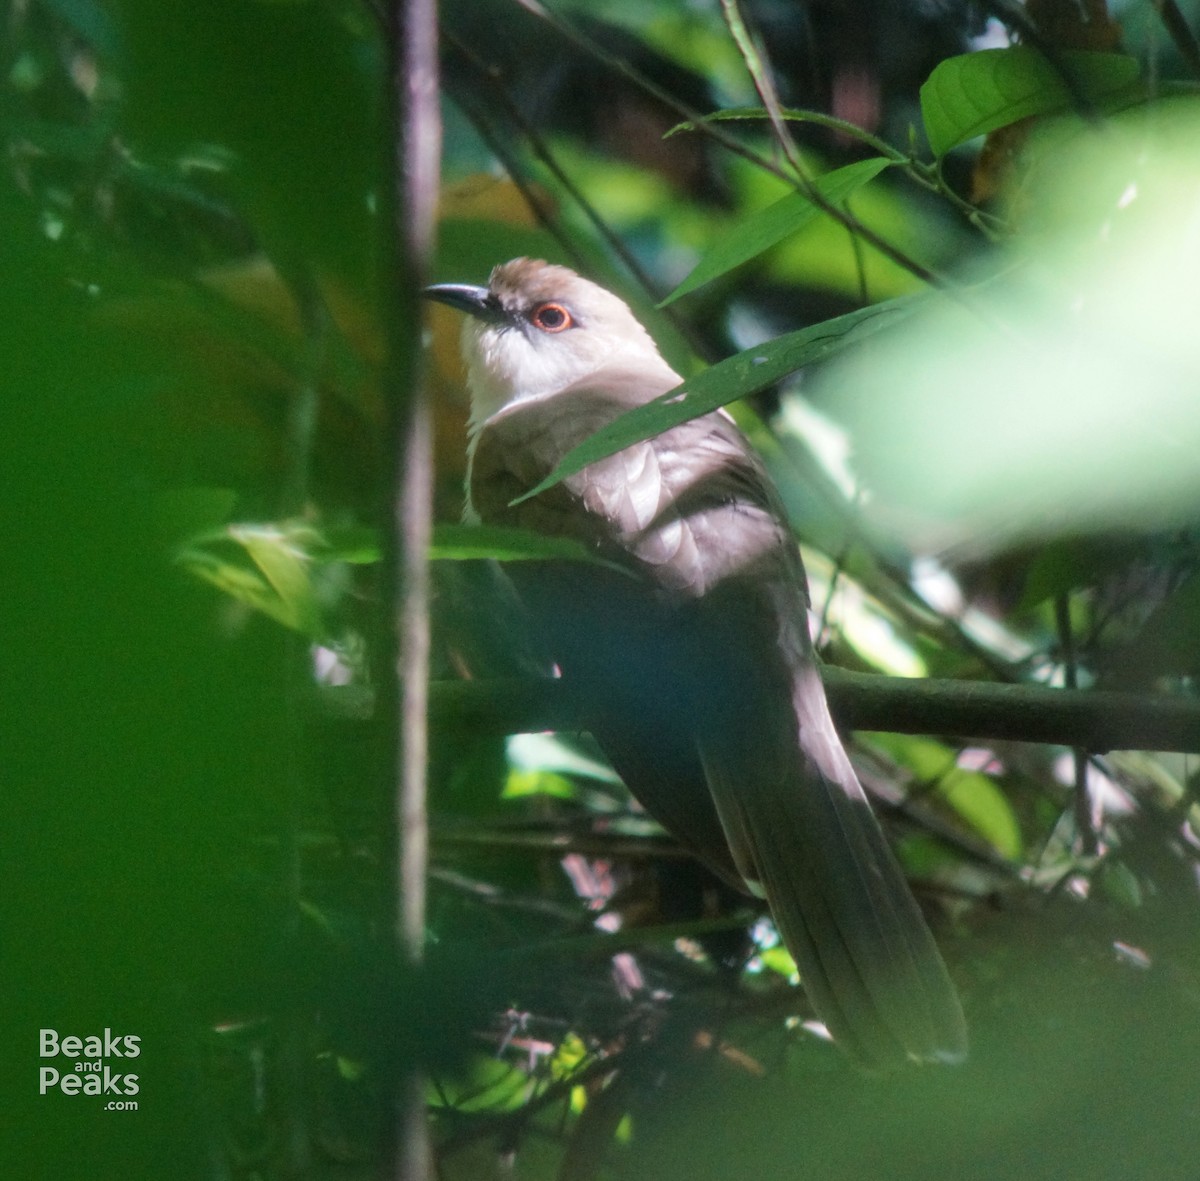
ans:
(537, 329)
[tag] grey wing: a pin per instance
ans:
(617, 639)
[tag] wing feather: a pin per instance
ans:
(714, 711)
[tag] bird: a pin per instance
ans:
(689, 645)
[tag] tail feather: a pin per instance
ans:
(800, 825)
(844, 910)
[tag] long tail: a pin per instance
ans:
(800, 826)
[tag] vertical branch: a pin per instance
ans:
(1085, 822)
(412, 38)
(416, 181)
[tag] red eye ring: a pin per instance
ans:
(551, 317)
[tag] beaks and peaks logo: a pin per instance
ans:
(90, 1065)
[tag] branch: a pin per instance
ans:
(1095, 720)
(416, 131)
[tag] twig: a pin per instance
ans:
(542, 152)
(733, 144)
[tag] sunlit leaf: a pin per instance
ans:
(976, 799)
(737, 377)
(238, 582)
(540, 753)
(975, 93)
(520, 784)
(758, 232)
(778, 959)
(1061, 404)
(278, 580)
(286, 567)
(490, 1084)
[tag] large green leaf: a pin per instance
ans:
(466, 543)
(1067, 409)
(760, 231)
(976, 93)
(972, 796)
(738, 376)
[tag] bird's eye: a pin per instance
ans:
(551, 317)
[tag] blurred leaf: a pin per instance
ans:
(1167, 644)
(279, 584)
(551, 752)
(1061, 567)
(468, 543)
(975, 798)
(570, 1054)
(281, 556)
(520, 784)
(760, 231)
(982, 806)
(975, 93)
(1120, 884)
(1061, 402)
(778, 959)
(491, 1084)
(736, 377)
(290, 93)
(861, 620)
(356, 544)
(90, 20)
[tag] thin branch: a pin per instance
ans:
(1097, 720)
(542, 209)
(541, 151)
(1081, 798)
(412, 46)
(733, 144)
(760, 73)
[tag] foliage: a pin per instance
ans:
(989, 456)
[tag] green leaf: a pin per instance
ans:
(738, 376)
(488, 1083)
(280, 555)
(975, 93)
(760, 231)
(279, 583)
(469, 543)
(778, 959)
(982, 806)
(974, 797)
(357, 545)
(1120, 884)
(238, 582)
(520, 784)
